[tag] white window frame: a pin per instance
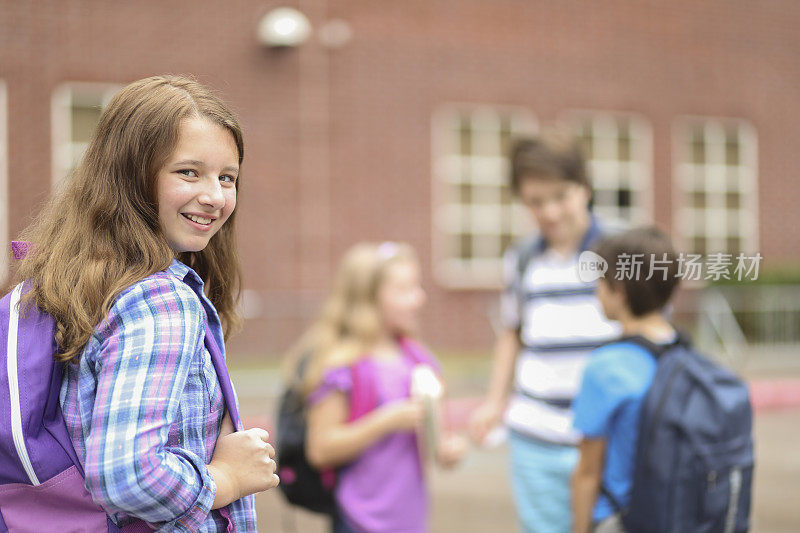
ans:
(603, 173)
(478, 273)
(716, 169)
(66, 152)
(4, 192)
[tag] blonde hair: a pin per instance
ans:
(100, 233)
(349, 322)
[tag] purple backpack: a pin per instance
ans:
(41, 480)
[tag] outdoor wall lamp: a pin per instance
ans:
(283, 27)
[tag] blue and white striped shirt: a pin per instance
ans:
(560, 322)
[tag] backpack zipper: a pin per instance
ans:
(13, 387)
(733, 502)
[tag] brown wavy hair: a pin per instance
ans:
(553, 154)
(100, 233)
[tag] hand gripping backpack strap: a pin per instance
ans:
(230, 403)
(227, 392)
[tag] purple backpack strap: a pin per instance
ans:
(225, 383)
(224, 377)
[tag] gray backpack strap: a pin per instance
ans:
(527, 249)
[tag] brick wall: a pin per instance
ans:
(338, 141)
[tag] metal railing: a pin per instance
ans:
(742, 324)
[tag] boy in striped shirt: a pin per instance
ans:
(551, 321)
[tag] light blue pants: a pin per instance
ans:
(540, 475)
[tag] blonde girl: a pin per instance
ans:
(371, 315)
(135, 259)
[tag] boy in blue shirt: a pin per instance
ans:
(641, 278)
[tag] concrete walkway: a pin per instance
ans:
(475, 498)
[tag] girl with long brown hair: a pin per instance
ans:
(136, 261)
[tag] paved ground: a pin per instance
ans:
(476, 499)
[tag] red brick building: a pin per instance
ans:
(688, 111)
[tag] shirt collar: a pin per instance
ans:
(589, 238)
(186, 274)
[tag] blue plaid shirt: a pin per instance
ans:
(144, 408)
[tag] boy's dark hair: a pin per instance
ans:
(554, 154)
(651, 249)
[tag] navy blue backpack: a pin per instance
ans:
(694, 459)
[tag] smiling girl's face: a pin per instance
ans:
(196, 186)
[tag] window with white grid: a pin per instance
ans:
(475, 214)
(76, 112)
(618, 150)
(4, 193)
(716, 178)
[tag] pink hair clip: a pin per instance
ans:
(387, 250)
